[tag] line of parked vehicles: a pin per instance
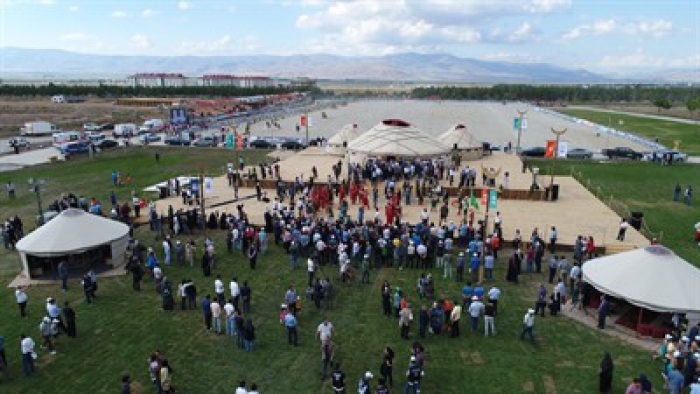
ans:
(619, 153)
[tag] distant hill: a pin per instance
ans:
(400, 67)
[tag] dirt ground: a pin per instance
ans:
(14, 112)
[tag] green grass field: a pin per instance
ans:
(666, 131)
(119, 330)
(647, 187)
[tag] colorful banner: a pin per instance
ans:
(208, 185)
(484, 196)
(229, 141)
(551, 148)
(516, 124)
(239, 141)
(524, 126)
(493, 199)
(302, 121)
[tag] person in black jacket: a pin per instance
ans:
(249, 335)
(69, 314)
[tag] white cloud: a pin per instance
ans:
(119, 14)
(74, 8)
(637, 59)
(657, 28)
(377, 27)
(147, 13)
(183, 5)
(225, 45)
(140, 41)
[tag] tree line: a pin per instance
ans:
(674, 95)
(115, 91)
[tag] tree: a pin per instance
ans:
(662, 103)
(692, 105)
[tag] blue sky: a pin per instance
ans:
(599, 35)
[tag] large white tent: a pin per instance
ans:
(459, 136)
(652, 278)
(74, 232)
(339, 142)
(397, 138)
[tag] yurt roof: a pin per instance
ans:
(73, 231)
(458, 134)
(652, 277)
(395, 137)
(346, 134)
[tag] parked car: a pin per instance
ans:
(660, 155)
(177, 141)
(207, 142)
(107, 144)
(95, 136)
(150, 137)
(106, 126)
(622, 153)
(72, 148)
(579, 153)
(292, 144)
(261, 144)
(538, 151)
(18, 142)
(91, 127)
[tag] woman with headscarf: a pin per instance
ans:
(606, 373)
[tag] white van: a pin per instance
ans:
(38, 128)
(124, 130)
(152, 126)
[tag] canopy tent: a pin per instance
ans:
(458, 136)
(397, 138)
(652, 278)
(74, 232)
(339, 142)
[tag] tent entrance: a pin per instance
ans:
(78, 264)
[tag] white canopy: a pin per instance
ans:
(652, 278)
(394, 137)
(458, 135)
(73, 231)
(345, 135)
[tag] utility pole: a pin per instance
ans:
(558, 133)
(521, 116)
(306, 116)
(35, 186)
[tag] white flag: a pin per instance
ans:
(208, 185)
(562, 149)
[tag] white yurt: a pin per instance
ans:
(652, 277)
(458, 136)
(83, 240)
(395, 138)
(340, 141)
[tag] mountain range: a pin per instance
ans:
(414, 67)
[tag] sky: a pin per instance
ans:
(598, 35)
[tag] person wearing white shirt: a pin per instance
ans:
(324, 331)
(494, 295)
(241, 388)
(21, 298)
(230, 318)
(528, 324)
(216, 316)
(27, 347)
(235, 291)
(219, 289)
(311, 269)
(166, 251)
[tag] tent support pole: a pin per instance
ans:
(639, 321)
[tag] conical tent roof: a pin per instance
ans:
(394, 137)
(459, 135)
(348, 133)
(652, 277)
(73, 231)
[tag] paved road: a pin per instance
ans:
(648, 116)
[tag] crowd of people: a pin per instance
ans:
(301, 220)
